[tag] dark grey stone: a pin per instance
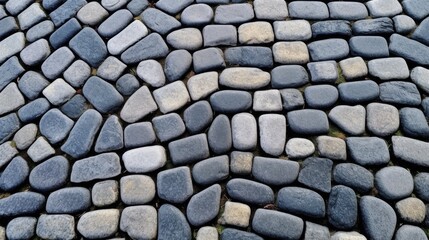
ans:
(40, 30)
(102, 95)
(313, 10)
(250, 192)
(102, 166)
(208, 59)
(66, 11)
(22, 203)
(173, 6)
(301, 201)
(63, 34)
(10, 124)
(219, 135)
(220, 35)
(377, 26)
(289, 76)
(89, 46)
(273, 171)
(137, 6)
(55, 126)
(9, 71)
(175, 185)
(394, 183)
(21, 228)
(249, 56)
(378, 218)
(159, 21)
(75, 107)
(50, 175)
(292, 99)
(115, 23)
(421, 186)
(316, 174)
(111, 136)
(33, 110)
(420, 34)
(168, 126)
(409, 49)
(198, 116)
(368, 151)
(320, 96)
(127, 84)
(14, 175)
(358, 92)
(354, 176)
(417, 9)
(347, 10)
(52, 4)
(172, 224)
(278, 225)
(204, 206)
(177, 64)
(328, 49)
(234, 13)
(152, 46)
(69, 200)
(331, 28)
(235, 234)
(369, 47)
(231, 101)
(82, 135)
(401, 93)
(414, 123)
(8, 26)
(342, 207)
(57, 63)
(308, 122)
(188, 150)
(139, 134)
(211, 170)
(323, 72)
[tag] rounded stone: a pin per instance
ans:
(144, 159)
(59, 226)
(382, 119)
(255, 33)
(175, 185)
(186, 38)
(301, 201)
(299, 148)
(137, 189)
(55, 126)
(99, 223)
(21, 228)
(235, 214)
(197, 15)
(411, 210)
(50, 175)
(342, 207)
(394, 183)
(378, 218)
(406, 232)
(69, 200)
(15, 174)
(139, 222)
(204, 206)
(105, 193)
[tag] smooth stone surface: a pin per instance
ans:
(10, 70)
(159, 21)
(353, 68)
(138, 105)
(30, 111)
(276, 172)
(111, 69)
(301, 201)
(99, 223)
(50, 175)
(175, 185)
(82, 135)
(55, 126)
(22, 203)
(58, 226)
(66, 11)
(272, 223)
(172, 223)
(368, 150)
(11, 99)
(244, 131)
(389, 68)
(378, 218)
(382, 119)
(89, 46)
(202, 85)
(244, 78)
(92, 14)
(308, 122)
(369, 47)
(267, 101)
(105, 193)
(77, 73)
(204, 206)
(272, 10)
(413, 123)
(35, 53)
(15, 174)
(323, 72)
(235, 214)
(171, 97)
(216, 35)
(11, 45)
(230, 101)
(349, 119)
(299, 148)
(115, 23)
(211, 170)
(58, 92)
(311, 10)
(144, 159)
(410, 150)
(385, 8)
(127, 37)
(358, 92)
(329, 49)
(75, 107)
(416, 9)
(255, 33)
(137, 189)
(250, 192)
(208, 59)
(289, 76)
(177, 64)
(207, 233)
(40, 150)
(219, 135)
(331, 147)
(394, 183)
(320, 96)
(127, 84)
(347, 10)
(354, 176)
(139, 134)
(111, 136)
(189, 149)
(102, 166)
(102, 95)
(8, 151)
(69, 200)
(168, 127)
(21, 228)
(404, 24)
(63, 34)
(234, 13)
(316, 231)
(272, 133)
(249, 56)
(294, 52)
(400, 93)
(316, 174)
(409, 231)
(198, 116)
(31, 84)
(57, 62)
(185, 38)
(139, 222)
(231, 233)
(197, 15)
(411, 210)
(292, 30)
(409, 49)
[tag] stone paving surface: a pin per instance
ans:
(214, 119)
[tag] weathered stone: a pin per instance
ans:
(204, 206)
(14, 175)
(347, 10)
(111, 136)
(382, 119)
(331, 147)
(22, 203)
(115, 23)
(369, 47)
(409, 49)
(102, 166)
(197, 15)
(138, 105)
(235, 214)
(139, 222)
(177, 64)
(102, 95)
(31, 111)
(308, 122)
(384, 8)
(299, 148)
(139, 134)
(354, 176)
(63, 34)
(172, 223)
(294, 52)
(216, 35)
(411, 210)
(175, 185)
(276, 224)
(358, 92)
(10, 99)
(21, 228)
(57, 62)
(376, 26)
(244, 131)
(248, 191)
(35, 53)
(59, 226)
(99, 223)
(320, 96)
(127, 37)
(313, 10)
(185, 38)
(378, 218)
(69, 200)
(234, 13)
(349, 119)
(137, 189)
(394, 183)
(189, 149)
(40, 150)
(329, 49)
(342, 207)
(410, 150)
(171, 97)
(244, 78)
(50, 175)
(92, 14)
(292, 30)
(316, 174)
(66, 11)
(301, 201)
(105, 193)
(7, 152)
(159, 21)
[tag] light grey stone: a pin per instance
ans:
(145, 159)
(113, 5)
(35, 53)
(25, 136)
(99, 223)
(348, 235)
(137, 189)
(299, 148)
(55, 126)
(255, 33)
(102, 166)
(244, 78)
(105, 193)
(384, 8)
(7, 152)
(404, 24)
(389, 68)
(58, 92)
(77, 73)
(331, 147)
(127, 37)
(151, 72)
(40, 150)
(139, 222)
(241, 162)
(292, 30)
(111, 69)
(382, 119)
(207, 233)
(30, 16)
(57, 62)
(111, 136)
(58, 226)
(270, 10)
(234, 13)
(171, 97)
(11, 45)
(411, 210)
(315, 231)
(272, 133)
(185, 38)
(244, 131)
(16, 6)
(92, 14)
(202, 85)
(353, 68)
(267, 101)
(420, 76)
(140, 104)
(350, 119)
(394, 183)
(197, 15)
(410, 150)
(10, 99)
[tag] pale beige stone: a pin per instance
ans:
(236, 214)
(207, 233)
(348, 236)
(241, 162)
(353, 68)
(291, 52)
(202, 85)
(255, 33)
(411, 210)
(332, 147)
